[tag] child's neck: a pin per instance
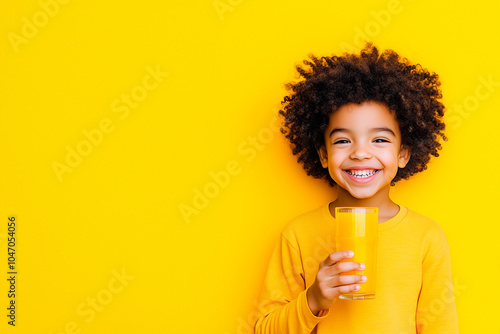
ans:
(386, 207)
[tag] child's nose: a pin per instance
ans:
(360, 152)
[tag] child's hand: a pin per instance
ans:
(329, 284)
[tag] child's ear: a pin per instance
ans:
(404, 156)
(323, 156)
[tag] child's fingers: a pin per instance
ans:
(345, 280)
(332, 291)
(336, 257)
(342, 284)
(345, 289)
(342, 267)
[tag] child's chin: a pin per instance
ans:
(361, 195)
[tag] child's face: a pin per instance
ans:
(364, 140)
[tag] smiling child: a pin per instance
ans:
(362, 123)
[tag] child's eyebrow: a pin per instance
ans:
(371, 130)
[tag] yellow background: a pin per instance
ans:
(119, 209)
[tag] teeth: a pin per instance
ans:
(362, 173)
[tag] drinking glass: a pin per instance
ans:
(357, 230)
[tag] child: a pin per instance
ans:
(361, 122)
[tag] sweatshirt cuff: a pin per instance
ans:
(305, 312)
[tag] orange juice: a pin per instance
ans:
(357, 230)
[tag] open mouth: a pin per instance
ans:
(362, 174)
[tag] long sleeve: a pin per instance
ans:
(436, 311)
(283, 304)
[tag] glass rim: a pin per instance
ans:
(356, 209)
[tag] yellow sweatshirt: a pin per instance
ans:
(414, 289)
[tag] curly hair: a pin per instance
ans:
(325, 84)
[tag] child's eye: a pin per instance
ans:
(381, 140)
(341, 141)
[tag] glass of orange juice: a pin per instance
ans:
(356, 229)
